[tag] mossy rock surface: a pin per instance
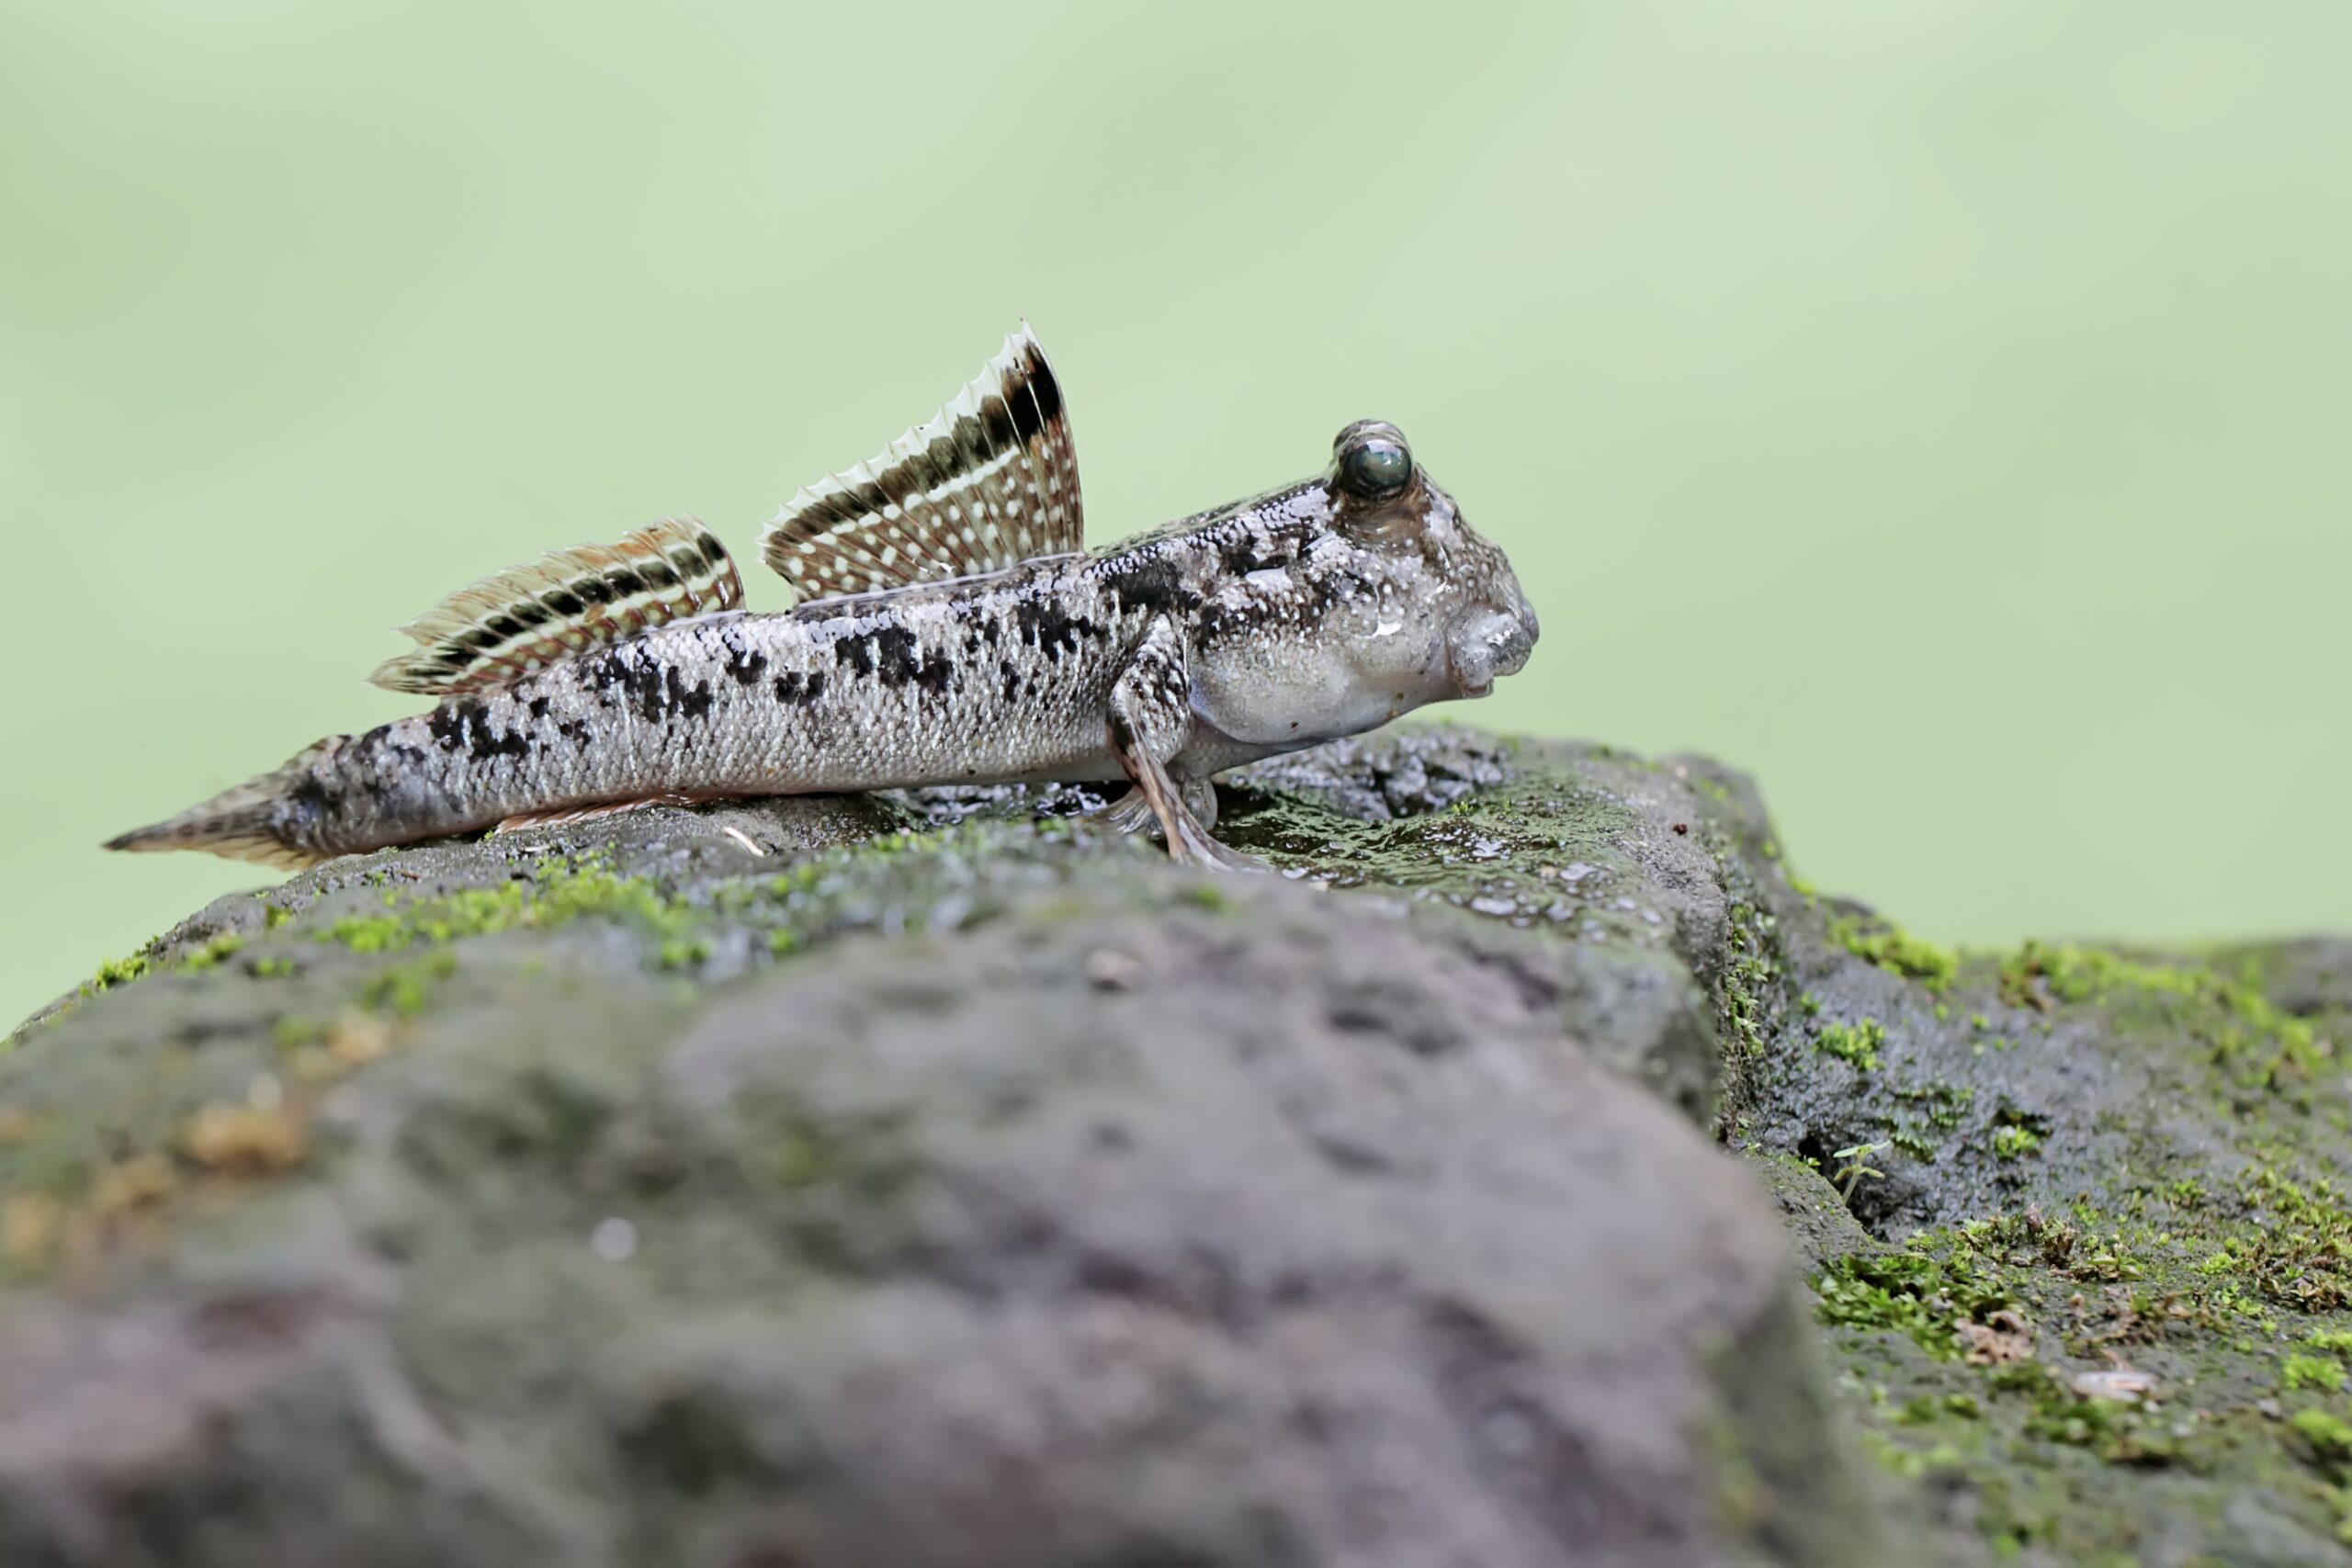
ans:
(935, 1178)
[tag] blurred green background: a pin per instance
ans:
(1935, 409)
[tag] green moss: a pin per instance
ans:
(586, 888)
(122, 971)
(224, 946)
(1894, 950)
(1855, 1044)
(2013, 1141)
(1926, 1290)
(1944, 1105)
(1928, 1407)
(684, 952)
(2250, 1038)
(116, 972)
(2215, 1271)
(2295, 1244)
(296, 1030)
(1748, 978)
(404, 989)
(2323, 1373)
(2329, 1436)
(1913, 1144)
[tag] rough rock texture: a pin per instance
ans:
(933, 1179)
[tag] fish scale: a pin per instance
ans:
(949, 630)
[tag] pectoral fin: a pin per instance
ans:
(1150, 718)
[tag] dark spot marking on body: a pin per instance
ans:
(1154, 586)
(796, 688)
(446, 725)
(1241, 555)
(747, 665)
(1012, 674)
(465, 722)
(898, 660)
(1048, 628)
(365, 756)
(539, 706)
(894, 656)
(309, 805)
(936, 674)
(691, 702)
(653, 687)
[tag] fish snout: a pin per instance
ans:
(1489, 643)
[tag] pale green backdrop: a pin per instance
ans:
(1935, 408)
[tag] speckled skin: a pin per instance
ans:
(1268, 625)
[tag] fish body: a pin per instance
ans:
(601, 678)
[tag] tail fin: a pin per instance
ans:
(244, 823)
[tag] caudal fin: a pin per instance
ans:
(245, 823)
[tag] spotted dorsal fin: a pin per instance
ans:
(991, 481)
(564, 603)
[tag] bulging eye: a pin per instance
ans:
(1374, 462)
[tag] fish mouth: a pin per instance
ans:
(1488, 645)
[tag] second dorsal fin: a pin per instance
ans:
(991, 481)
(564, 603)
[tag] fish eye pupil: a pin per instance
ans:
(1377, 467)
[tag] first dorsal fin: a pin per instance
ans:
(564, 603)
(991, 481)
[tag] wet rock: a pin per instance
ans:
(933, 1178)
(675, 1187)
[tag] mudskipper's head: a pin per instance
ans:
(1349, 600)
(1450, 617)
(1354, 598)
